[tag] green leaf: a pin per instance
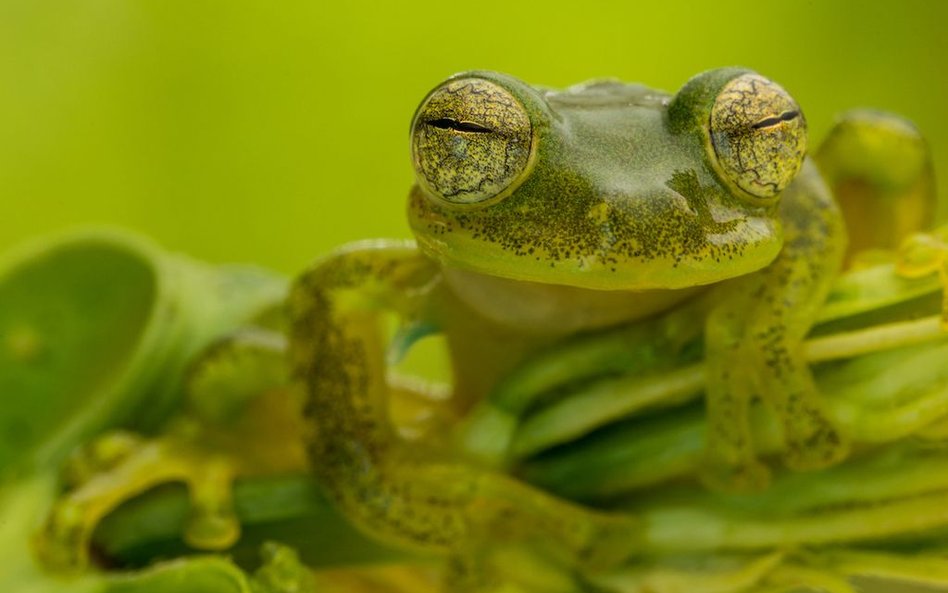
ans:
(96, 329)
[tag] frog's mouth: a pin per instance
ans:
(604, 247)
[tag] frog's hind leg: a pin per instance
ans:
(392, 489)
(879, 168)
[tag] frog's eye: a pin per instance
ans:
(758, 134)
(472, 141)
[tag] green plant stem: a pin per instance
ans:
(289, 508)
(613, 399)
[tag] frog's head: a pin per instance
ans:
(604, 185)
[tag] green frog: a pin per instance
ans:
(542, 214)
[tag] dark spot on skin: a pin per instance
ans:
(559, 229)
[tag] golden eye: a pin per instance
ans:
(759, 135)
(472, 141)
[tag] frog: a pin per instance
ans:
(542, 212)
(540, 215)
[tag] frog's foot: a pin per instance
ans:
(99, 456)
(812, 440)
(770, 368)
(923, 254)
(810, 436)
(730, 462)
(283, 572)
(63, 542)
(748, 475)
(507, 568)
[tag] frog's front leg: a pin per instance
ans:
(391, 488)
(754, 338)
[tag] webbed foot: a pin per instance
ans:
(103, 482)
(813, 441)
(749, 475)
(240, 420)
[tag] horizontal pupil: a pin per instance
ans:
(446, 123)
(773, 121)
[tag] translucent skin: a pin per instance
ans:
(621, 209)
(622, 194)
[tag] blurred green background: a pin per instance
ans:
(271, 131)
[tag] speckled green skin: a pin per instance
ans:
(393, 489)
(624, 200)
(622, 196)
